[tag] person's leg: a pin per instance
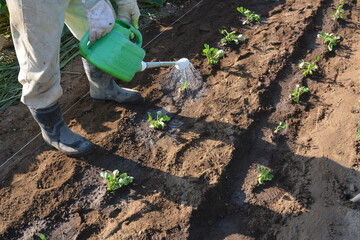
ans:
(104, 88)
(56, 133)
(36, 27)
(102, 85)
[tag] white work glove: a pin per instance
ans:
(101, 19)
(128, 11)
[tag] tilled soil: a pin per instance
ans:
(197, 179)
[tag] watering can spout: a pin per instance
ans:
(180, 64)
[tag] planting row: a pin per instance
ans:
(213, 56)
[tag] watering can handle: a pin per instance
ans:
(136, 32)
(85, 43)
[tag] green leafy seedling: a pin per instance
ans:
(213, 55)
(184, 86)
(116, 180)
(281, 126)
(41, 236)
(329, 39)
(264, 175)
(231, 37)
(358, 132)
(160, 120)
(309, 66)
(250, 15)
(339, 13)
(295, 94)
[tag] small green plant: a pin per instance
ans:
(250, 15)
(160, 120)
(295, 94)
(339, 13)
(41, 236)
(329, 39)
(358, 132)
(116, 180)
(231, 37)
(184, 86)
(264, 175)
(281, 126)
(213, 55)
(309, 66)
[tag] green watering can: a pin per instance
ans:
(118, 56)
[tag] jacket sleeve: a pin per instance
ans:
(88, 4)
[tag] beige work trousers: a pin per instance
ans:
(36, 27)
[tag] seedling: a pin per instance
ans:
(250, 15)
(329, 39)
(281, 126)
(184, 86)
(339, 13)
(264, 175)
(41, 236)
(295, 94)
(213, 55)
(116, 180)
(309, 66)
(160, 120)
(231, 37)
(358, 132)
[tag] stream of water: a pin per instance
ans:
(187, 82)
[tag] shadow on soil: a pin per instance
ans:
(218, 216)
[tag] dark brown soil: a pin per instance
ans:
(197, 179)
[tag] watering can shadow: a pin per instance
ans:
(116, 54)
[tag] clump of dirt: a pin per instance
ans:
(197, 178)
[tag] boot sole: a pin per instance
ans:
(75, 155)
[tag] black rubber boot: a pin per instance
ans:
(103, 87)
(56, 133)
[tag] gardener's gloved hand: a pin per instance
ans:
(129, 12)
(101, 19)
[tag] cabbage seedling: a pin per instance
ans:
(339, 13)
(41, 236)
(116, 180)
(250, 15)
(358, 132)
(279, 127)
(160, 120)
(295, 94)
(329, 39)
(184, 86)
(213, 55)
(264, 175)
(309, 66)
(231, 37)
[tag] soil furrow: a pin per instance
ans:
(197, 178)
